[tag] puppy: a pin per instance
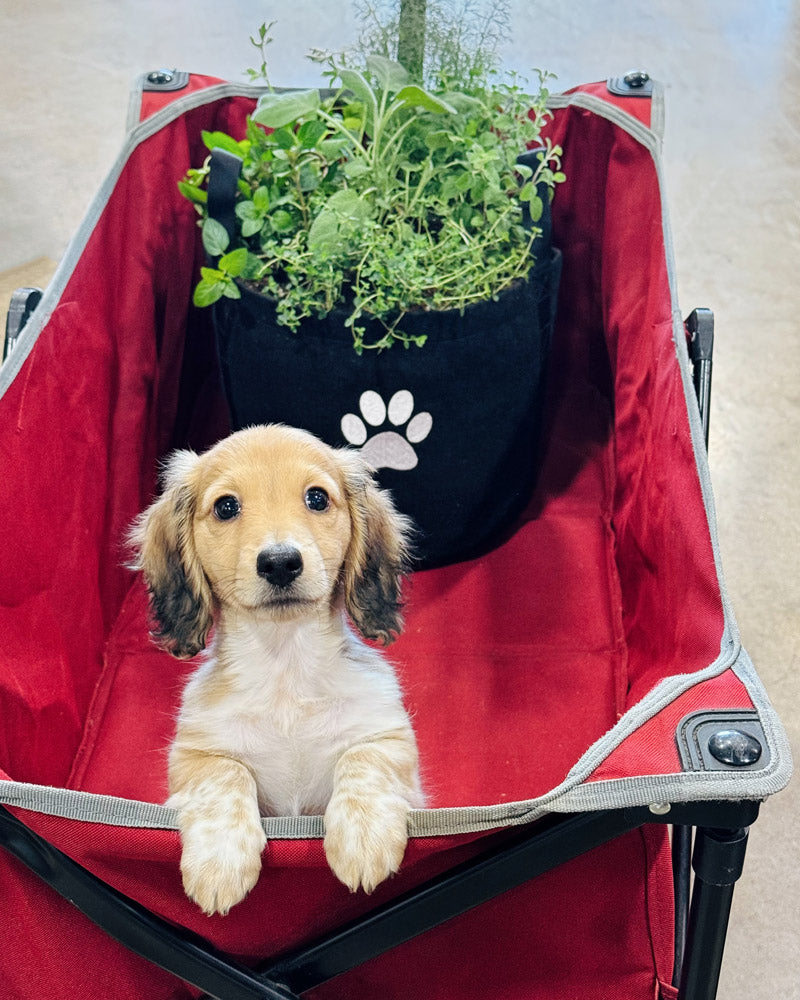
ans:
(275, 538)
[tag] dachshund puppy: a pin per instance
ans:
(275, 539)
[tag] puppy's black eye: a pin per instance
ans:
(317, 499)
(226, 508)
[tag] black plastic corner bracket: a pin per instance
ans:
(635, 83)
(165, 80)
(700, 334)
(727, 740)
(700, 328)
(23, 302)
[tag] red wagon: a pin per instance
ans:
(581, 696)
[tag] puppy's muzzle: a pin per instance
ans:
(279, 565)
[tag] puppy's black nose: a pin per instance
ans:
(279, 565)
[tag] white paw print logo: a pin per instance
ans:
(387, 449)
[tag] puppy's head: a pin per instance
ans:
(271, 522)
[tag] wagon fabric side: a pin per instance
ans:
(569, 670)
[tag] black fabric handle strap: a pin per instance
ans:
(223, 180)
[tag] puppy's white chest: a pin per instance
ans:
(288, 710)
(291, 746)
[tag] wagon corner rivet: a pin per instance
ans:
(637, 78)
(659, 808)
(735, 748)
(160, 77)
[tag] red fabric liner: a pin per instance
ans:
(513, 664)
(535, 942)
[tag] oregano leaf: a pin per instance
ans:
(233, 263)
(215, 238)
(206, 293)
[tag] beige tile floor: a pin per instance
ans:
(732, 160)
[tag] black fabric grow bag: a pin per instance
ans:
(451, 427)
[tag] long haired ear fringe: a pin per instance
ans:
(378, 556)
(180, 596)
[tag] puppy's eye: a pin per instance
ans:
(226, 508)
(317, 499)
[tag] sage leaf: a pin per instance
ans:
(331, 149)
(355, 82)
(355, 168)
(390, 75)
(343, 214)
(416, 97)
(277, 110)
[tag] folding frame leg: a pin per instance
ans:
(718, 860)
(682, 890)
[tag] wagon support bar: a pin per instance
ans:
(186, 956)
(513, 860)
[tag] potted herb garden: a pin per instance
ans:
(381, 273)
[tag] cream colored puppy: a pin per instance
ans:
(275, 538)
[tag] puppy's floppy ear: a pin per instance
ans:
(163, 538)
(377, 555)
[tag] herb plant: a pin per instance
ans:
(381, 198)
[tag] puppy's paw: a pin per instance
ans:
(220, 862)
(365, 840)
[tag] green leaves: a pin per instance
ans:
(385, 197)
(213, 285)
(356, 83)
(215, 238)
(276, 110)
(390, 76)
(234, 263)
(220, 140)
(340, 221)
(219, 281)
(415, 97)
(194, 193)
(529, 193)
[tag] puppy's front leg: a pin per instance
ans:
(221, 833)
(375, 785)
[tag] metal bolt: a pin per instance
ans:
(636, 78)
(160, 77)
(659, 808)
(735, 748)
